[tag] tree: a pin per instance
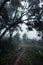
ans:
(12, 11)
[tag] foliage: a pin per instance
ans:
(11, 16)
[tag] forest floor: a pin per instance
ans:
(28, 54)
(23, 55)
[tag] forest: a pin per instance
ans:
(21, 32)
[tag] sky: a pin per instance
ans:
(30, 34)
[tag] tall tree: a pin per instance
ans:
(12, 12)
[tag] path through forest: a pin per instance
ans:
(22, 56)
